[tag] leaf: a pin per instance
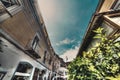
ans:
(99, 30)
(99, 63)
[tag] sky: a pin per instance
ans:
(66, 23)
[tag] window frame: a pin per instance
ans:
(35, 42)
(23, 62)
(2, 74)
(115, 5)
(36, 73)
(50, 60)
(45, 56)
(10, 11)
(33, 47)
(118, 6)
(16, 2)
(108, 19)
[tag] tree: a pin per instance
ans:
(99, 63)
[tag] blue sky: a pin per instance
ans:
(66, 22)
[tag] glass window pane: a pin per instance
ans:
(116, 19)
(117, 5)
(107, 28)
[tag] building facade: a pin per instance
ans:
(24, 41)
(107, 16)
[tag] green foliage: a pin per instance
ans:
(99, 63)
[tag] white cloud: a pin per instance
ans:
(65, 41)
(70, 54)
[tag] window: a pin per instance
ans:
(33, 46)
(35, 42)
(45, 55)
(23, 71)
(50, 61)
(117, 5)
(2, 9)
(9, 3)
(107, 28)
(60, 78)
(116, 19)
(8, 8)
(36, 74)
(2, 74)
(113, 18)
(118, 39)
(61, 72)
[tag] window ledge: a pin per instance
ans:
(22, 74)
(13, 10)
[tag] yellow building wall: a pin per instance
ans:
(106, 5)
